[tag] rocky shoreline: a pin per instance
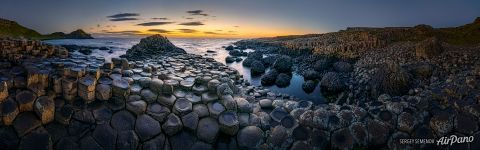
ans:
(52, 100)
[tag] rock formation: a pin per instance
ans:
(152, 46)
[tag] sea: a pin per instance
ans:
(200, 46)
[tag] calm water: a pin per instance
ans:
(196, 46)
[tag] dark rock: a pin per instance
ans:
(67, 143)
(105, 136)
(270, 77)
(229, 59)
(428, 48)
(406, 122)
(172, 125)
(201, 110)
(137, 107)
(391, 79)
(123, 120)
(283, 80)
(149, 47)
(309, 86)
(342, 139)
(322, 64)
(288, 121)
(377, 132)
(207, 129)
(147, 127)
(8, 138)
(320, 139)
(301, 133)
(257, 68)
(88, 142)
(45, 109)
(228, 121)
(278, 138)
(215, 109)
(300, 145)
(342, 66)
(25, 123)
(190, 121)
(148, 96)
(25, 100)
(182, 106)
(85, 116)
(183, 140)
(199, 145)
(250, 137)
(394, 141)
(9, 111)
(229, 48)
(237, 53)
(159, 142)
(158, 112)
(332, 83)
(247, 62)
(465, 124)
(38, 139)
(442, 123)
(311, 75)
(127, 140)
(283, 64)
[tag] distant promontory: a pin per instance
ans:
(14, 30)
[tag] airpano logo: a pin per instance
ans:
(454, 139)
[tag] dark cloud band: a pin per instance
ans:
(195, 23)
(154, 23)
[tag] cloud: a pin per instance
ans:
(159, 30)
(123, 19)
(195, 23)
(219, 30)
(162, 18)
(189, 18)
(236, 26)
(197, 12)
(154, 23)
(124, 32)
(187, 30)
(124, 15)
(211, 33)
(216, 33)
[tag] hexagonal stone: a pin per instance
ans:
(377, 132)
(102, 114)
(67, 143)
(148, 95)
(201, 110)
(172, 125)
(243, 105)
(25, 100)
(3, 91)
(85, 116)
(44, 107)
(127, 140)
(359, 132)
(57, 131)
(182, 106)
(199, 145)
(215, 109)
(156, 85)
(64, 115)
(167, 100)
(342, 139)
(186, 84)
(86, 88)
(123, 120)
(159, 142)
(300, 145)
(89, 143)
(199, 89)
(158, 112)
(8, 138)
(442, 123)
(195, 99)
(406, 122)
(137, 107)
(301, 133)
(135, 89)
(190, 121)
(209, 97)
(207, 129)
(105, 136)
(25, 123)
(212, 85)
(103, 92)
(147, 127)
(38, 139)
(250, 137)
(120, 88)
(183, 140)
(169, 86)
(466, 124)
(228, 121)
(9, 111)
(278, 137)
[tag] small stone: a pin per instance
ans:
(215, 109)
(158, 112)
(123, 120)
(190, 121)
(228, 121)
(465, 124)
(201, 110)
(45, 109)
(137, 107)
(182, 106)
(25, 100)
(172, 125)
(147, 127)
(207, 129)
(25, 123)
(103, 92)
(265, 103)
(278, 114)
(250, 137)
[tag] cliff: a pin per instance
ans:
(14, 30)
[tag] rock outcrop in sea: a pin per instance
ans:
(152, 46)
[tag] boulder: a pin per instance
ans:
(270, 77)
(342, 66)
(152, 46)
(120, 88)
(201, 110)
(25, 100)
(283, 64)
(25, 123)
(148, 95)
(137, 107)
(283, 80)
(332, 83)
(228, 121)
(257, 68)
(158, 112)
(311, 75)
(103, 92)
(86, 88)
(322, 64)
(391, 79)
(182, 107)
(309, 86)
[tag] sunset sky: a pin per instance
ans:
(229, 18)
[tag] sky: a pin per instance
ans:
(232, 18)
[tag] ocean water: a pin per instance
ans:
(200, 46)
